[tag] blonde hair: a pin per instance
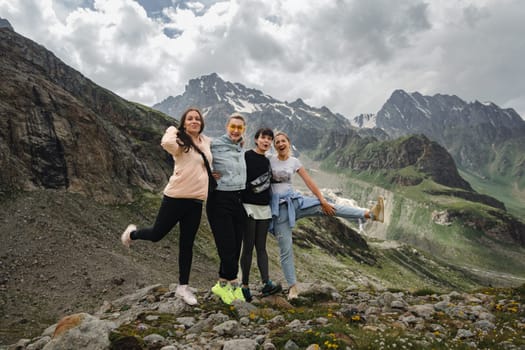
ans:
(236, 116)
(282, 133)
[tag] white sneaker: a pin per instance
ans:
(186, 294)
(125, 238)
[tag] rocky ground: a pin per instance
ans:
(321, 318)
(61, 253)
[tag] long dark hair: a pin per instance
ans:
(183, 139)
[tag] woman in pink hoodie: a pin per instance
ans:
(184, 195)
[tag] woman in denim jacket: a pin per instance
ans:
(224, 207)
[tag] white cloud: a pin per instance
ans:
(348, 55)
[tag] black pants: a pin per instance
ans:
(255, 235)
(173, 210)
(227, 220)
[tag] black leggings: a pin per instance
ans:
(173, 210)
(227, 220)
(255, 235)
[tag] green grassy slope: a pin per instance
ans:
(505, 190)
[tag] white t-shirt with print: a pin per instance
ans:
(282, 173)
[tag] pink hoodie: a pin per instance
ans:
(190, 178)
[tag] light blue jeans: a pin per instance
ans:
(283, 231)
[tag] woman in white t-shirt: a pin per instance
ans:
(288, 205)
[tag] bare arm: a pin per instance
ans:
(328, 209)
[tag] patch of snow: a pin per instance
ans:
(369, 121)
(205, 111)
(248, 107)
(401, 114)
(505, 112)
(242, 106)
(425, 112)
(418, 106)
(279, 106)
(312, 113)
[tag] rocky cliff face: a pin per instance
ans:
(59, 130)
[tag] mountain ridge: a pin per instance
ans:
(218, 99)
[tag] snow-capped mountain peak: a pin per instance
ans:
(364, 121)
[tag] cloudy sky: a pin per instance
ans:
(348, 55)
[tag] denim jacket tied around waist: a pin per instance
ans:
(287, 199)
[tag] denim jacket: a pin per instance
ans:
(228, 160)
(289, 197)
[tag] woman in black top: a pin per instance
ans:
(256, 200)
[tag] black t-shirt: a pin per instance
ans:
(258, 175)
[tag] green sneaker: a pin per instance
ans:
(238, 294)
(224, 291)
